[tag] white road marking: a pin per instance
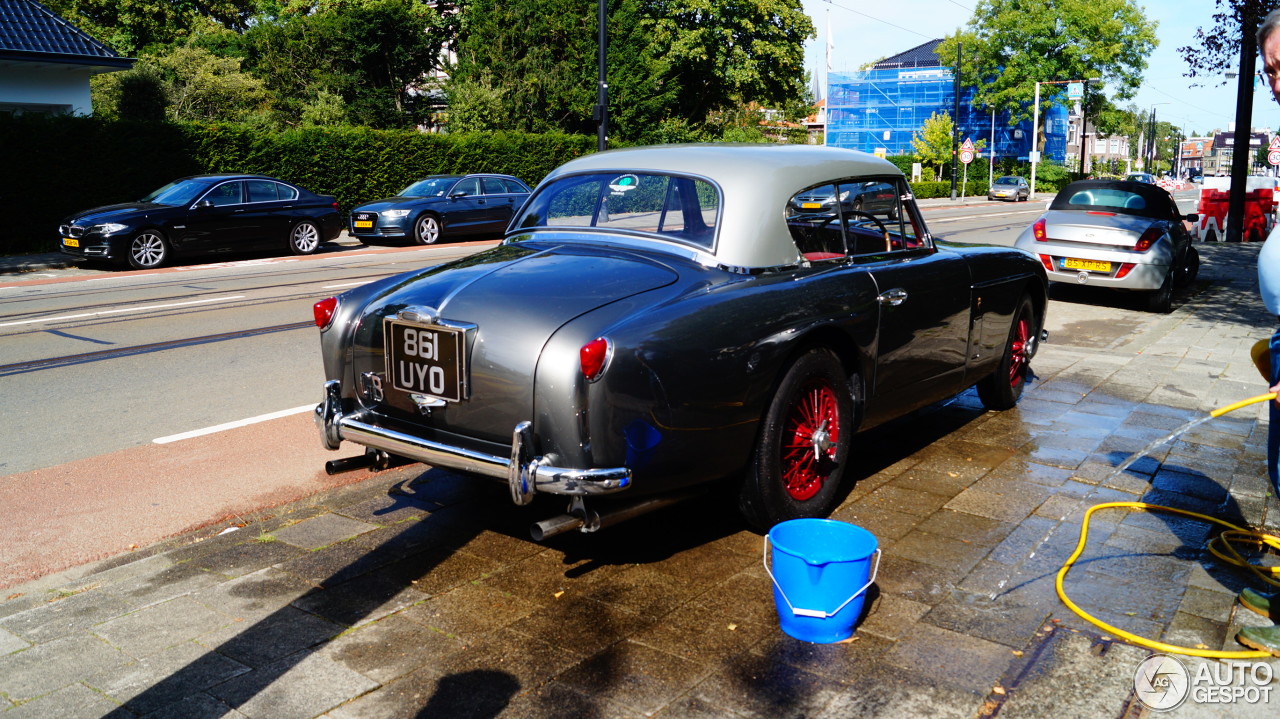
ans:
(939, 220)
(141, 308)
(232, 425)
(345, 284)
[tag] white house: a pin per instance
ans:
(46, 63)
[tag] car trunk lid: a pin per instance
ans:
(513, 299)
(1098, 229)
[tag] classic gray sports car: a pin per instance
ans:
(660, 320)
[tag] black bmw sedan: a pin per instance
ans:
(204, 214)
(440, 205)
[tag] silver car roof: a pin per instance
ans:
(756, 180)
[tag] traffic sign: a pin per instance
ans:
(966, 152)
(1275, 143)
(1273, 157)
(1075, 90)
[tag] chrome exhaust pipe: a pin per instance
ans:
(376, 460)
(581, 518)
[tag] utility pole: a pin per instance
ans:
(1084, 126)
(1244, 122)
(955, 126)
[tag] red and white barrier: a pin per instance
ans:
(1259, 208)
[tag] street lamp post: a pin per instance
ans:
(1152, 152)
(1244, 119)
(602, 90)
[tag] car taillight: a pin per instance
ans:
(1038, 230)
(1125, 269)
(1047, 262)
(1149, 238)
(324, 310)
(593, 357)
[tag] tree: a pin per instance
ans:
(932, 145)
(1012, 44)
(373, 54)
(132, 27)
(1217, 49)
(675, 67)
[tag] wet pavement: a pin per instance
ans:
(418, 593)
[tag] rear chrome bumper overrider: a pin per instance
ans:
(524, 473)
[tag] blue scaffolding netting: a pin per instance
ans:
(883, 108)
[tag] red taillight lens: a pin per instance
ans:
(324, 310)
(1047, 262)
(1148, 238)
(1125, 269)
(1038, 230)
(593, 357)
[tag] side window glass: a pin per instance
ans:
(497, 186)
(228, 193)
(813, 217)
(285, 192)
(261, 191)
(468, 187)
(872, 218)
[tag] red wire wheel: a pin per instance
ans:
(811, 434)
(1019, 349)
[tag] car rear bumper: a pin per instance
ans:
(524, 473)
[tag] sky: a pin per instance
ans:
(863, 32)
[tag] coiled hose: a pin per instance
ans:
(1221, 546)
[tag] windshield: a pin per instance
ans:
(178, 192)
(430, 187)
(1125, 198)
(1007, 181)
(684, 209)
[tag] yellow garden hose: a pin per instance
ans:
(1220, 546)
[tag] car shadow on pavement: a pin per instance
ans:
(305, 616)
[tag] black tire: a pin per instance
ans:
(1161, 301)
(147, 250)
(304, 238)
(1003, 388)
(1188, 269)
(797, 465)
(427, 229)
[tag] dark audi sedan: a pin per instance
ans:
(204, 214)
(441, 205)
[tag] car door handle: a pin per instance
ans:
(893, 297)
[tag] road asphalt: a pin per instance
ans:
(416, 593)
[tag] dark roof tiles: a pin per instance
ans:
(924, 55)
(27, 26)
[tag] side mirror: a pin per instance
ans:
(459, 193)
(1193, 217)
(203, 205)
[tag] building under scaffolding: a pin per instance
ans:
(883, 107)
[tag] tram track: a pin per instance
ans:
(119, 352)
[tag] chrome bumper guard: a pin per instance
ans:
(524, 473)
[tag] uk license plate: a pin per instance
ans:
(1070, 263)
(68, 242)
(363, 224)
(425, 360)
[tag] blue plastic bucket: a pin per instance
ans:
(821, 572)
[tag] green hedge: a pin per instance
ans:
(61, 165)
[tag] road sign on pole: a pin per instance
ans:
(1273, 152)
(966, 151)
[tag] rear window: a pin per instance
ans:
(679, 208)
(1126, 198)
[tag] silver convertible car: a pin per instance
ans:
(1121, 235)
(669, 320)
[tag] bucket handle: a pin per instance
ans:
(817, 613)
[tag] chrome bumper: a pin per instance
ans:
(524, 473)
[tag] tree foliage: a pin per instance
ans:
(1217, 49)
(132, 27)
(932, 145)
(673, 66)
(1010, 45)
